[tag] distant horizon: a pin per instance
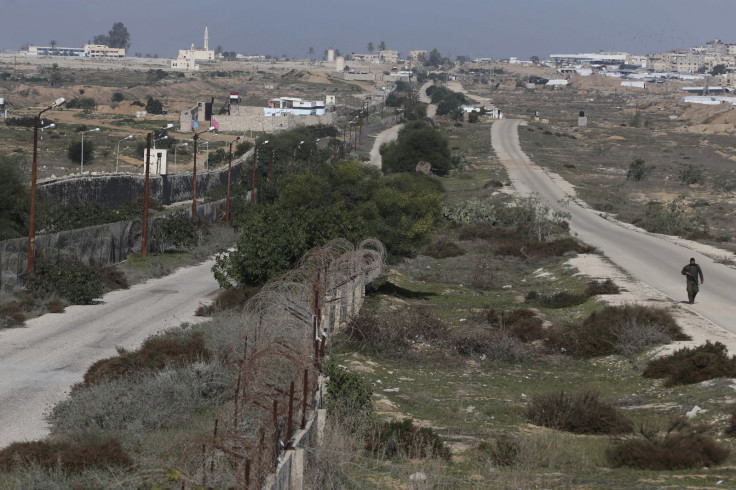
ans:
(473, 28)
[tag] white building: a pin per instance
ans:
(295, 106)
(188, 58)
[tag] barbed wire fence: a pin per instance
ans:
(278, 358)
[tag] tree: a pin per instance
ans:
(417, 142)
(435, 58)
(218, 50)
(117, 37)
(74, 151)
(382, 46)
(14, 199)
(310, 51)
(718, 70)
(371, 48)
(52, 43)
(55, 78)
(154, 106)
(534, 59)
(638, 169)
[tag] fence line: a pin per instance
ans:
(272, 410)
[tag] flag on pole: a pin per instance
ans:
(215, 124)
(194, 125)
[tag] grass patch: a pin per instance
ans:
(522, 323)
(562, 299)
(443, 248)
(526, 249)
(693, 365)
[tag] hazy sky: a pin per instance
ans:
(488, 28)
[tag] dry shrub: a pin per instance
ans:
(681, 448)
(391, 334)
(403, 439)
(504, 451)
(73, 456)
(731, 429)
(112, 277)
(583, 413)
(226, 299)
(486, 231)
(493, 183)
(443, 248)
(622, 329)
(56, 305)
(12, 314)
(602, 287)
(524, 248)
(522, 323)
(489, 343)
(693, 365)
(562, 299)
(156, 353)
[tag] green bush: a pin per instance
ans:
(403, 439)
(583, 413)
(690, 174)
(563, 299)
(417, 142)
(470, 212)
(693, 365)
(175, 231)
(242, 148)
(681, 448)
(348, 394)
(67, 277)
(638, 169)
(118, 97)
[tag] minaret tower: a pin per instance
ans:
(206, 39)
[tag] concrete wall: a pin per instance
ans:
(113, 190)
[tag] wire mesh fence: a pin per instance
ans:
(277, 359)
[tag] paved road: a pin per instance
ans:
(651, 259)
(40, 362)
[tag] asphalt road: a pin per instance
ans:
(649, 258)
(40, 362)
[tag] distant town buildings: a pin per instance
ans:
(88, 51)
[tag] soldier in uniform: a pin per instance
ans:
(692, 271)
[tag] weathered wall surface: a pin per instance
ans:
(250, 118)
(111, 190)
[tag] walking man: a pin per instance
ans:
(692, 271)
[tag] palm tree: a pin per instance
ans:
(311, 52)
(371, 48)
(52, 43)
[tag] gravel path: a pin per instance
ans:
(40, 362)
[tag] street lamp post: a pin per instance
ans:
(293, 152)
(146, 193)
(34, 173)
(229, 166)
(81, 165)
(117, 155)
(194, 171)
(183, 144)
(309, 158)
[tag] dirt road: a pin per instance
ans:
(39, 363)
(652, 259)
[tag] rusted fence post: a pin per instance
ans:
(290, 425)
(304, 399)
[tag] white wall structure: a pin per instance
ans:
(634, 84)
(331, 54)
(159, 161)
(340, 64)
